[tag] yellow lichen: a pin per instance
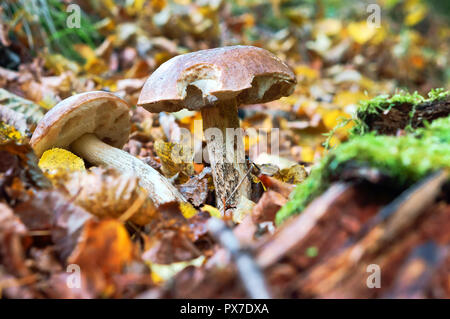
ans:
(8, 132)
(57, 159)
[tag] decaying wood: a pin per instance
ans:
(407, 239)
(398, 117)
(407, 207)
(415, 274)
(327, 223)
(295, 230)
(344, 275)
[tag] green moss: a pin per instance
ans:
(384, 103)
(406, 159)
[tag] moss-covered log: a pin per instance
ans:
(404, 159)
(387, 115)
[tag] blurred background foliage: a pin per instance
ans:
(339, 59)
(287, 25)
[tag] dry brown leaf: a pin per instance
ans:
(9, 222)
(171, 238)
(106, 193)
(278, 186)
(12, 250)
(267, 207)
(292, 175)
(54, 213)
(197, 188)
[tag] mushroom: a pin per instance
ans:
(217, 82)
(95, 125)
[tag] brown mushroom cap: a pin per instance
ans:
(101, 113)
(245, 73)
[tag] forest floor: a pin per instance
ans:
(363, 216)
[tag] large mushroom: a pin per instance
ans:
(217, 82)
(95, 125)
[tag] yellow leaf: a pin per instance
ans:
(292, 175)
(158, 5)
(162, 57)
(256, 180)
(307, 154)
(250, 141)
(361, 32)
(214, 212)
(93, 64)
(175, 158)
(248, 19)
(334, 117)
(60, 159)
(183, 2)
(334, 141)
(134, 7)
(416, 13)
(156, 278)
(346, 98)
(110, 6)
(161, 272)
(329, 27)
(188, 210)
(103, 250)
(59, 64)
(379, 36)
(304, 72)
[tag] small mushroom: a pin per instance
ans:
(95, 125)
(217, 82)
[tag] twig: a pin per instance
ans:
(237, 186)
(249, 272)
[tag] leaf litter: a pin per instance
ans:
(350, 138)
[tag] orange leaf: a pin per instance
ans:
(104, 249)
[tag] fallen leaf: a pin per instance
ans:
(292, 175)
(175, 158)
(214, 212)
(198, 188)
(107, 194)
(361, 31)
(165, 272)
(31, 111)
(267, 207)
(243, 209)
(102, 252)
(56, 159)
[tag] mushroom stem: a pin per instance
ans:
(227, 158)
(91, 148)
